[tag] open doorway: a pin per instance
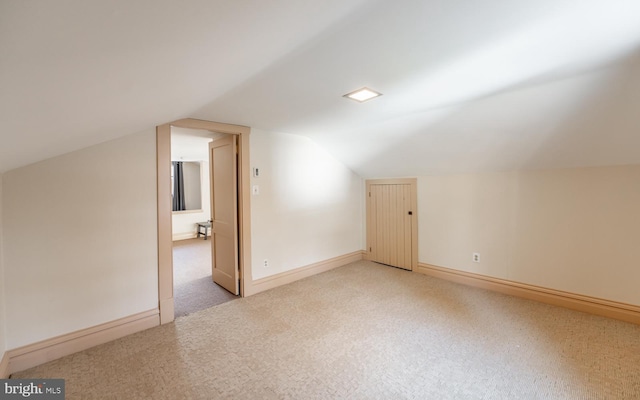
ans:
(193, 287)
(164, 208)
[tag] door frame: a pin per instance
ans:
(414, 220)
(165, 240)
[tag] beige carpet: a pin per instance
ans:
(365, 331)
(193, 288)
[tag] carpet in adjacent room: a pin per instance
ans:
(193, 288)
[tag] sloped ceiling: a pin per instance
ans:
(468, 86)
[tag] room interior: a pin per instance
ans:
(191, 145)
(518, 121)
(193, 286)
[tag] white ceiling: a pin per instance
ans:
(468, 86)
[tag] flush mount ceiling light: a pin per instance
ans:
(362, 95)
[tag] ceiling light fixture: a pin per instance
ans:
(362, 95)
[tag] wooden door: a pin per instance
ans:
(392, 223)
(224, 212)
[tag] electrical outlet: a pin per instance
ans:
(476, 257)
(266, 263)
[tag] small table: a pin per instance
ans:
(203, 225)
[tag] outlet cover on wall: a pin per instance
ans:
(476, 257)
(266, 263)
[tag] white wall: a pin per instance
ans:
(80, 239)
(192, 186)
(309, 208)
(575, 230)
(3, 345)
(184, 222)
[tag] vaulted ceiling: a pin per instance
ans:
(467, 85)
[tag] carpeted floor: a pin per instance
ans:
(365, 331)
(193, 289)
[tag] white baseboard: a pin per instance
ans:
(283, 278)
(38, 353)
(4, 366)
(184, 236)
(578, 302)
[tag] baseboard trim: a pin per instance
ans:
(47, 350)
(4, 366)
(185, 236)
(592, 305)
(283, 278)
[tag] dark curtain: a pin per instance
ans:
(178, 186)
